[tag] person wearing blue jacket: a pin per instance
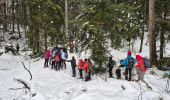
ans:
(129, 64)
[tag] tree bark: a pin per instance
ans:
(18, 18)
(66, 18)
(162, 42)
(142, 37)
(13, 17)
(152, 40)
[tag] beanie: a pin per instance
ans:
(129, 53)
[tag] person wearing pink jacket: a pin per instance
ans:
(140, 68)
(46, 57)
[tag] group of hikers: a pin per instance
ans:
(58, 58)
(129, 63)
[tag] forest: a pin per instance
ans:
(90, 24)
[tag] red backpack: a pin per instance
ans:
(57, 58)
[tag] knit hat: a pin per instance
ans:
(129, 53)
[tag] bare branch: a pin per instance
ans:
(24, 83)
(27, 70)
(16, 88)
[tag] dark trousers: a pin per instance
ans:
(110, 72)
(81, 73)
(63, 64)
(118, 73)
(57, 66)
(74, 71)
(53, 65)
(46, 63)
(128, 75)
(88, 77)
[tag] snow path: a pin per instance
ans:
(59, 85)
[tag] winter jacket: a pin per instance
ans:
(111, 63)
(47, 54)
(86, 67)
(80, 64)
(63, 55)
(73, 62)
(140, 63)
(126, 61)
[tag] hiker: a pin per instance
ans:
(17, 48)
(110, 66)
(86, 69)
(46, 57)
(63, 58)
(80, 67)
(73, 65)
(129, 64)
(90, 69)
(140, 68)
(57, 61)
(53, 62)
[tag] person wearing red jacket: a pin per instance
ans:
(86, 69)
(140, 68)
(46, 57)
(80, 67)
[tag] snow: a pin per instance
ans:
(49, 84)
(59, 85)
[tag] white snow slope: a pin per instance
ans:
(59, 85)
(48, 84)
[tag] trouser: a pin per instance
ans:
(74, 71)
(128, 74)
(81, 73)
(118, 73)
(57, 66)
(88, 76)
(63, 64)
(53, 65)
(110, 71)
(46, 63)
(140, 74)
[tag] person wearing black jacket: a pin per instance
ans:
(110, 65)
(73, 65)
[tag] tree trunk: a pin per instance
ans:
(66, 18)
(45, 41)
(152, 40)
(162, 38)
(5, 18)
(142, 37)
(162, 42)
(13, 17)
(37, 40)
(143, 25)
(18, 18)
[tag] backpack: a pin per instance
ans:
(130, 62)
(57, 58)
(146, 62)
(111, 63)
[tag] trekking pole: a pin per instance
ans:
(167, 85)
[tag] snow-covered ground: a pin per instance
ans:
(48, 84)
(59, 85)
